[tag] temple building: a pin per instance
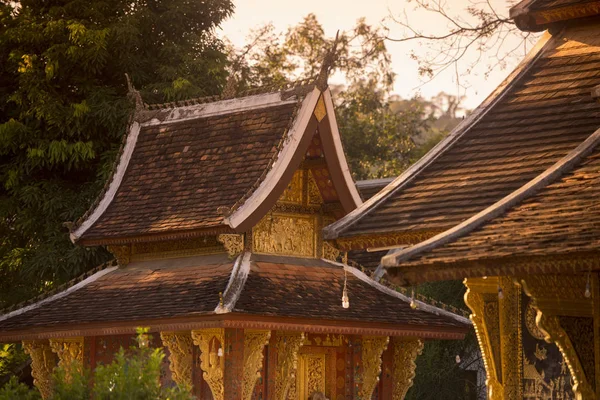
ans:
(508, 201)
(214, 213)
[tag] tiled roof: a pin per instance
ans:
(182, 172)
(278, 287)
(154, 289)
(190, 288)
(544, 111)
(562, 218)
(369, 188)
(539, 5)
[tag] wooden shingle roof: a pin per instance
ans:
(541, 113)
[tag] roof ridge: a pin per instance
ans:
(391, 291)
(235, 285)
(57, 292)
(333, 231)
(551, 174)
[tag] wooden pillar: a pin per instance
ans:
(233, 376)
(405, 353)
(180, 347)
(43, 361)
(372, 348)
(569, 318)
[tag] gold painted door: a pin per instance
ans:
(311, 376)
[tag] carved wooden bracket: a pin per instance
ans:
(233, 243)
(70, 354)
(180, 347)
(405, 354)
(212, 360)
(288, 345)
(566, 317)
(121, 253)
(43, 361)
(254, 344)
(372, 349)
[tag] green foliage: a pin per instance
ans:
(14, 390)
(134, 374)
(11, 358)
(64, 110)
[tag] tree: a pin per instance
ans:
(480, 37)
(63, 112)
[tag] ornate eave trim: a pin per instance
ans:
(337, 229)
(383, 240)
(507, 266)
(273, 183)
(390, 292)
(530, 20)
(500, 207)
(60, 295)
(242, 321)
(113, 187)
(236, 283)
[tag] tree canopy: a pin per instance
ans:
(63, 111)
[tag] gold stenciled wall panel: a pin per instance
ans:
(286, 234)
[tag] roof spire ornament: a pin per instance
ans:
(134, 95)
(328, 62)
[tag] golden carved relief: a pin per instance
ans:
(180, 347)
(293, 193)
(372, 349)
(311, 375)
(175, 248)
(383, 240)
(288, 345)
(320, 110)
(70, 354)
(121, 253)
(233, 243)
(291, 235)
(254, 344)
(477, 290)
(512, 345)
(313, 192)
(330, 252)
(43, 361)
(405, 354)
(212, 361)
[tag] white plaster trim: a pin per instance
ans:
(278, 168)
(337, 141)
(501, 206)
(222, 107)
(60, 295)
(370, 183)
(384, 289)
(117, 178)
(332, 231)
(236, 283)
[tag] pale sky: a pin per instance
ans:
(342, 15)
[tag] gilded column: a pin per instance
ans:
(482, 299)
(512, 345)
(70, 355)
(254, 344)
(372, 348)
(211, 342)
(405, 354)
(43, 361)
(288, 345)
(180, 347)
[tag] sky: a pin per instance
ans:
(342, 15)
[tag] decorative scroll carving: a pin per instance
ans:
(580, 331)
(330, 252)
(328, 341)
(254, 344)
(311, 375)
(372, 348)
(293, 193)
(70, 354)
(180, 347)
(43, 362)
(551, 326)
(292, 235)
(233, 243)
(313, 192)
(532, 328)
(121, 253)
(384, 240)
(405, 354)
(211, 343)
(175, 248)
(288, 345)
(320, 110)
(477, 290)
(512, 346)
